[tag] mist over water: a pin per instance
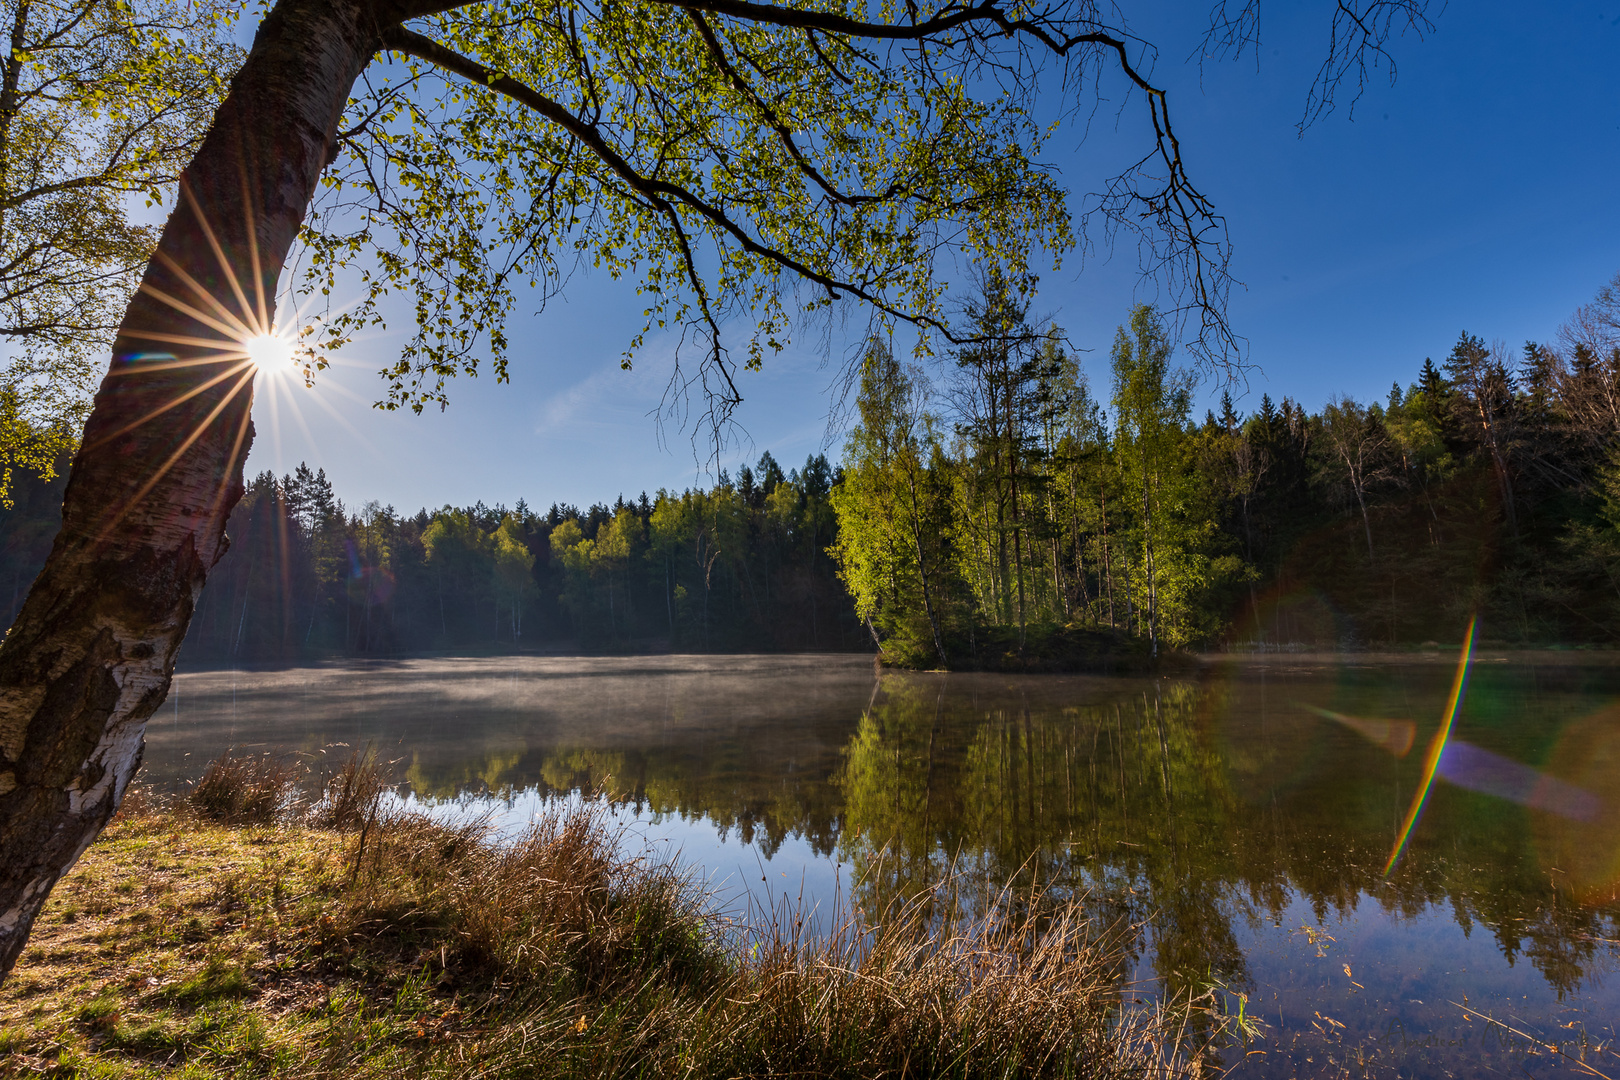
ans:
(1235, 826)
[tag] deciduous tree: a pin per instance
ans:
(102, 103)
(1151, 406)
(889, 512)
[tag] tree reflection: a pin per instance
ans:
(1096, 800)
(1183, 811)
(1185, 807)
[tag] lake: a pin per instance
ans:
(1237, 827)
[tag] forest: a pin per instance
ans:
(991, 510)
(995, 503)
(739, 567)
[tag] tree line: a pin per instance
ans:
(996, 500)
(740, 566)
(989, 506)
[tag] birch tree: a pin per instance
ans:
(1354, 439)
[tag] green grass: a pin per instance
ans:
(218, 979)
(182, 947)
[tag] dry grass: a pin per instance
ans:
(351, 794)
(1026, 992)
(247, 789)
(180, 946)
(261, 789)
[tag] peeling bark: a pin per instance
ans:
(92, 652)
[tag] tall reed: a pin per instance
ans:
(351, 793)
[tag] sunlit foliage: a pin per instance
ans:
(1487, 486)
(740, 170)
(102, 102)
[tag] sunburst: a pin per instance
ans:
(239, 339)
(234, 342)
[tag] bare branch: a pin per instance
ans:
(1358, 45)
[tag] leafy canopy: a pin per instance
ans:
(736, 161)
(101, 104)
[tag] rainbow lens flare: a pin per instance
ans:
(1437, 747)
(1492, 774)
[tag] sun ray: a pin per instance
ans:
(344, 391)
(242, 328)
(182, 399)
(308, 360)
(350, 428)
(298, 415)
(224, 263)
(284, 549)
(262, 308)
(272, 399)
(230, 462)
(163, 470)
(227, 332)
(1437, 746)
(173, 364)
(185, 339)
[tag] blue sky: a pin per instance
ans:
(1479, 193)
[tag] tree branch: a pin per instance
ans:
(659, 192)
(745, 88)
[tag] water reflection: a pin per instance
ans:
(1236, 826)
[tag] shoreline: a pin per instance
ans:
(184, 946)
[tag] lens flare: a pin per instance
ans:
(1396, 736)
(1492, 774)
(1583, 853)
(1437, 746)
(1476, 769)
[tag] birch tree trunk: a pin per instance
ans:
(92, 652)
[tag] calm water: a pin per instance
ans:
(1240, 820)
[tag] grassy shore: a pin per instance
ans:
(234, 934)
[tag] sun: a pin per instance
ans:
(267, 352)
